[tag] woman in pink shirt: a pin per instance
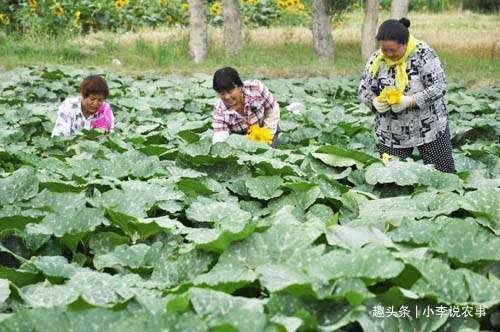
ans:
(87, 111)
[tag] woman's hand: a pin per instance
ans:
(404, 103)
(380, 106)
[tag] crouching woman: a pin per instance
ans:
(89, 110)
(244, 108)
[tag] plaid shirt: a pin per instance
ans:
(260, 107)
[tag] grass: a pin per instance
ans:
(467, 44)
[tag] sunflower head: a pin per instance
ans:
(58, 9)
(119, 4)
(215, 9)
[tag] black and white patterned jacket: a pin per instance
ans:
(426, 81)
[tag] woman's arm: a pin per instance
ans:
(432, 77)
(219, 124)
(365, 92)
(62, 126)
(271, 109)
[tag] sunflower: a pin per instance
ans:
(33, 5)
(259, 134)
(76, 22)
(119, 4)
(215, 9)
(4, 19)
(58, 9)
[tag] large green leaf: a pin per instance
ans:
(228, 223)
(411, 173)
(314, 315)
(19, 186)
(397, 209)
(371, 261)
(264, 187)
(485, 205)
(171, 271)
(341, 157)
(440, 281)
(222, 309)
(476, 243)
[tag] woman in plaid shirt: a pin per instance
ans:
(242, 104)
(420, 118)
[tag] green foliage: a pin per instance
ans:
(152, 227)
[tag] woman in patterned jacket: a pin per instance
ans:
(415, 115)
(241, 105)
(87, 111)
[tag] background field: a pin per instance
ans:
(467, 43)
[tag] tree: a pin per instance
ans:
(399, 8)
(198, 35)
(232, 26)
(323, 43)
(369, 29)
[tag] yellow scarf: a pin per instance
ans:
(399, 65)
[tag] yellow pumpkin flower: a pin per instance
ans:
(184, 7)
(259, 134)
(385, 158)
(391, 95)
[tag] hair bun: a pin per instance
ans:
(406, 22)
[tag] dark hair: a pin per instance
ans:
(94, 84)
(225, 79)
(394, 30)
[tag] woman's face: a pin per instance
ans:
(392, 49)
(233, 97)
(92, 103)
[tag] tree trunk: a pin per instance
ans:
(369, 29)
(399, 8)
(232, 26)
(198, 35)
(323, 43)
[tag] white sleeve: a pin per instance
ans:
(272, 118)
(62, 126)
(220, 136)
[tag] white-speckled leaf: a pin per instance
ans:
(19, 186)
(440, 281)
(476, 242)
(264, 187)
(355, 237)
(45, 295)
(410, 173)
(484, 204)
(397, 209)
(372, 261)
(170, 272)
